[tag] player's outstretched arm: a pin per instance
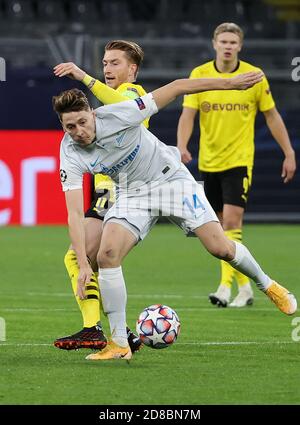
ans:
(166, 94)
(102, 92)
(74, 203)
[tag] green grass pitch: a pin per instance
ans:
(223, 356)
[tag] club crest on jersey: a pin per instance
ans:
(63, 175)
(133, 89)
(120, 138)
(140, 103)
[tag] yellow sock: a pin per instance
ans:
(236, 235)
(90, 307)
(240, 278)
(100, 299)
(227, 273)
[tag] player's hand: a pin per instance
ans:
(288, 168)
(84, 277)
(185, 155)
(246, 80)
(69, 69)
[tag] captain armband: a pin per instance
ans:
(91, 83)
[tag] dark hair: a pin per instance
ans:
(132, 50)
(70, 101)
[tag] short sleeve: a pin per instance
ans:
(265, 99)
(71, 175)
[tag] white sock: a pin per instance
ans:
(114, 298)
(246, 264)
(246, 288)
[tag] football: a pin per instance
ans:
(158, 326)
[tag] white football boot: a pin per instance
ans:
(221, 297)
(244, 297)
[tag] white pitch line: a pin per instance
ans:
(143, 296)
(236, 343)
(211, 309)
(210, 343)
(180, 309)
(152, 296)
(12, 344)
(70, 295)
(33, 310)
(167, 296)
(49, 294)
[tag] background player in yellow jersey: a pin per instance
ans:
(226, 151)
(121, 63)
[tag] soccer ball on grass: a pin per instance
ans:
(158, 326)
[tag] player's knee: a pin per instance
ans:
(231, 223)
(224, 251)
(109, 257)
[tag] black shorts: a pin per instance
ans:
(100, 205)
(227, 187)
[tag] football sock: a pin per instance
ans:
(237, 235)
(100, 299)
(114, 298)
(90, 307)
(245, 263)
(228, 272)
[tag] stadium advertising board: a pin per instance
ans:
(30, 188)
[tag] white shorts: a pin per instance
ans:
(180, 199)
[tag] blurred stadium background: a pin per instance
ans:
(223, 356)
(176, 37)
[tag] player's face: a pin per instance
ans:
(227, 46)
(117, 69)
(80, 126)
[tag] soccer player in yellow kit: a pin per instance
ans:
(226, 151)
(121, 63)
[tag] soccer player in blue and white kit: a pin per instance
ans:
(112, 141)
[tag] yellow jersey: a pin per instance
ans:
(227, 119)
(131, 91)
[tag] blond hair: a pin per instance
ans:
(133, 51)
(229, 27)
